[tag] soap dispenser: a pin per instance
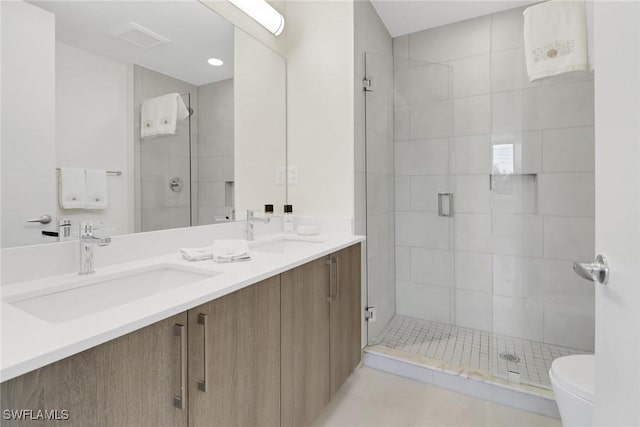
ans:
(287, 220)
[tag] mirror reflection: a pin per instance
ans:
(131, 108)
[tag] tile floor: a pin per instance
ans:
(372, 398)
(473, 348)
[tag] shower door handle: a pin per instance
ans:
(596, 271)
(445, 204)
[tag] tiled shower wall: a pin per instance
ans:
(215, 149)
(374, 210)
(160, 158)
(207, 174)
(504, 261)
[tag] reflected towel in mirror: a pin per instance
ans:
(160, 115)
(96, 180)
(72, 189)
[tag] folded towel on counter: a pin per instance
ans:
(197, 254)
(160, 115)
(555, 38)
(72, 188)
(231, 250)
(96, 180)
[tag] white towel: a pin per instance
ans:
(555, 38)
(230, 250)
(96, 189)
(160, 115)
(197, 254)
(72, 188)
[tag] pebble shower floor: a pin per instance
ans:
(473, 348)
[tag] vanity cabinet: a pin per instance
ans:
(130, 381)
(320, 333)
(234, 359)
(270, 354)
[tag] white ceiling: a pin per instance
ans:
(407, 16)
(196, 33)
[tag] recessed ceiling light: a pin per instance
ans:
(215, 62)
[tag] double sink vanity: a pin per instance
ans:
(163, 341)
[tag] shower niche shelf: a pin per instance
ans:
(514, 193)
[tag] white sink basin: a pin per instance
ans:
(84, 295)
(285, 245)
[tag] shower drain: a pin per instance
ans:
(509, 357)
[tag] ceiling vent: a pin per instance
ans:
(140, 36)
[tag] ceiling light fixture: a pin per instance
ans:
(263, 13)
(215, 62)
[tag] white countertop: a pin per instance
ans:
(29, 342)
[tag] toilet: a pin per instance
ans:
(572, 379)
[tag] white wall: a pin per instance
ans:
(93, 130)
(260, 113)
(320, 108)
(28, 116)
(318, 45)
(617, 83)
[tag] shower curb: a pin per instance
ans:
(508, 395)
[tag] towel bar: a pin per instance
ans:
(115, 173)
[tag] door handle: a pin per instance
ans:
(179, 400)
(445, 204)
(202, 384)
(43, 219)
(596, 271)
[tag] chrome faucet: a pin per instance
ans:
(87, 244)
(250, 220)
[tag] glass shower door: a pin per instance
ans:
(409, 193)
(376, 181)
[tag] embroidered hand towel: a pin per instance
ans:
(555, 38)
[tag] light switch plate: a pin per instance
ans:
(281, 174)
(293, 175)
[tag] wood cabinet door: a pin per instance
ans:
(346, 315)
(69, 384)
(129, 381)
(142, 373)
(234, 359)
(305, 343)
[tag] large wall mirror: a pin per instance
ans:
(135, 116)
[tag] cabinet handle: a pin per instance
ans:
(337, 262)
(329, 263)
(334, 271)
(202, 384)
(179, 400)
